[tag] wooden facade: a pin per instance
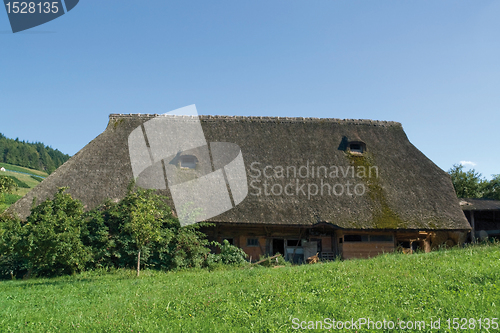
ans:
(297, 243)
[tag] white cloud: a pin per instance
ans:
(468, 163)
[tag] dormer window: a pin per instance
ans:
(188, 162)
(357, 147)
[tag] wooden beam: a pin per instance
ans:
(473, 226)
(261, 261)
(298, 242)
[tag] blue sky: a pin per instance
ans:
(431, 65)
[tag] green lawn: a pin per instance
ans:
(458, 283)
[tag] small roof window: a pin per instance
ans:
(188, 162)
(354, 147)
(357, 147)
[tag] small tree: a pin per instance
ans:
(141, 230)
(145, 218)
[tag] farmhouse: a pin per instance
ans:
(483, 216)
(348, 188)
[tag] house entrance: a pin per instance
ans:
(278, 246)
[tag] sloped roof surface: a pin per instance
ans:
(479, 204)
(410, 192)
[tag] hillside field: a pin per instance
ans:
(457, 283)
(28, 179)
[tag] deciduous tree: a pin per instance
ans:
(492, 189)
(467, 184)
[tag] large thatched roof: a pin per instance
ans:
(410, 192)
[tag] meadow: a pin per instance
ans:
(27, 180)
(456, 283)
(23, 169)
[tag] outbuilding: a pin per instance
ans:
(483, 216)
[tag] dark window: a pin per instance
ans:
(229, 240)
(188, 162)
(356, 148)
(293, 242)
(381, 238)
(252, 242)
(356, 238)
(278, 246)
(352, 238)
(405, 245)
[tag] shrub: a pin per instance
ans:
(12, 264)
(109, 231)
(114, 243)
(50, 239)
(9, 199)
(229, 255)
(7, 185)
(190, 247)
(140, 230)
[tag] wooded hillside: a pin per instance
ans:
(34, 155)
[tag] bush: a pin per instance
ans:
(109, 235)
(7, 185)
(50, 239)
(48, 243)
(113, 244)
(229, 255)
(9, 199)
(58, 238)
(189, 247)
(12, 264)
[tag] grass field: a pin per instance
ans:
(23, 169)
(457, 283)
(27, 179)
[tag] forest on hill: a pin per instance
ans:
(33, 155)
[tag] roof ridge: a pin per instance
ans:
(265, 119)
